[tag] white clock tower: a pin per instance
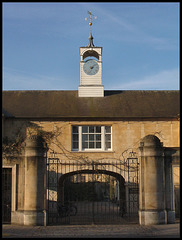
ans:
(90, 69)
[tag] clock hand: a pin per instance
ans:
(93, 66)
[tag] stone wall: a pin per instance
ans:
(126, 136)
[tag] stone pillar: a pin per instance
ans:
(152, 182)
(35, 170)
(169, 186)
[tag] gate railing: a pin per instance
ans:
(101, 192)
(133, 188)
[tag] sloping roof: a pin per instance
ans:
(114, 105)
(6, 114)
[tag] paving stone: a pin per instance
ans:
(92, 231)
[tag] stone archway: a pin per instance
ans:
(99, 171)
(95, 206)
(104, 184)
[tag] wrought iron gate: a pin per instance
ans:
(92, 192)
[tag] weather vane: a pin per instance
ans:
(90, 23)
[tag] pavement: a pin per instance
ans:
(92, 231)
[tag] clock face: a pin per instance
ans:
(91, 67)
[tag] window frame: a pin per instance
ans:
(80, 135)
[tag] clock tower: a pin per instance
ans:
(91, 69)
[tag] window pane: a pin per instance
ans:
(108, 145)
(98, 129)
(108, 129)
(75, 145)
(75, 137)
(91, 144)
(98, 144)
(85, 145)
(85, 137)
(85, 129)
(75, 129)
(98, 137)
(91, 137)
(108, 137)
(91, 129)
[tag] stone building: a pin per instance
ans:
(90, 156)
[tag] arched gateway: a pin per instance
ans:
(105, 191)
(92, 192)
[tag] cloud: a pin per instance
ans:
(164, 80)
(134, 31)
(111, 17)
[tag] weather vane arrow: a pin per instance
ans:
(91, 16)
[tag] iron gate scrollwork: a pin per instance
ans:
(92, 192)
(133, 188)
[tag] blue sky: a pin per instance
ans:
(41, 44)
